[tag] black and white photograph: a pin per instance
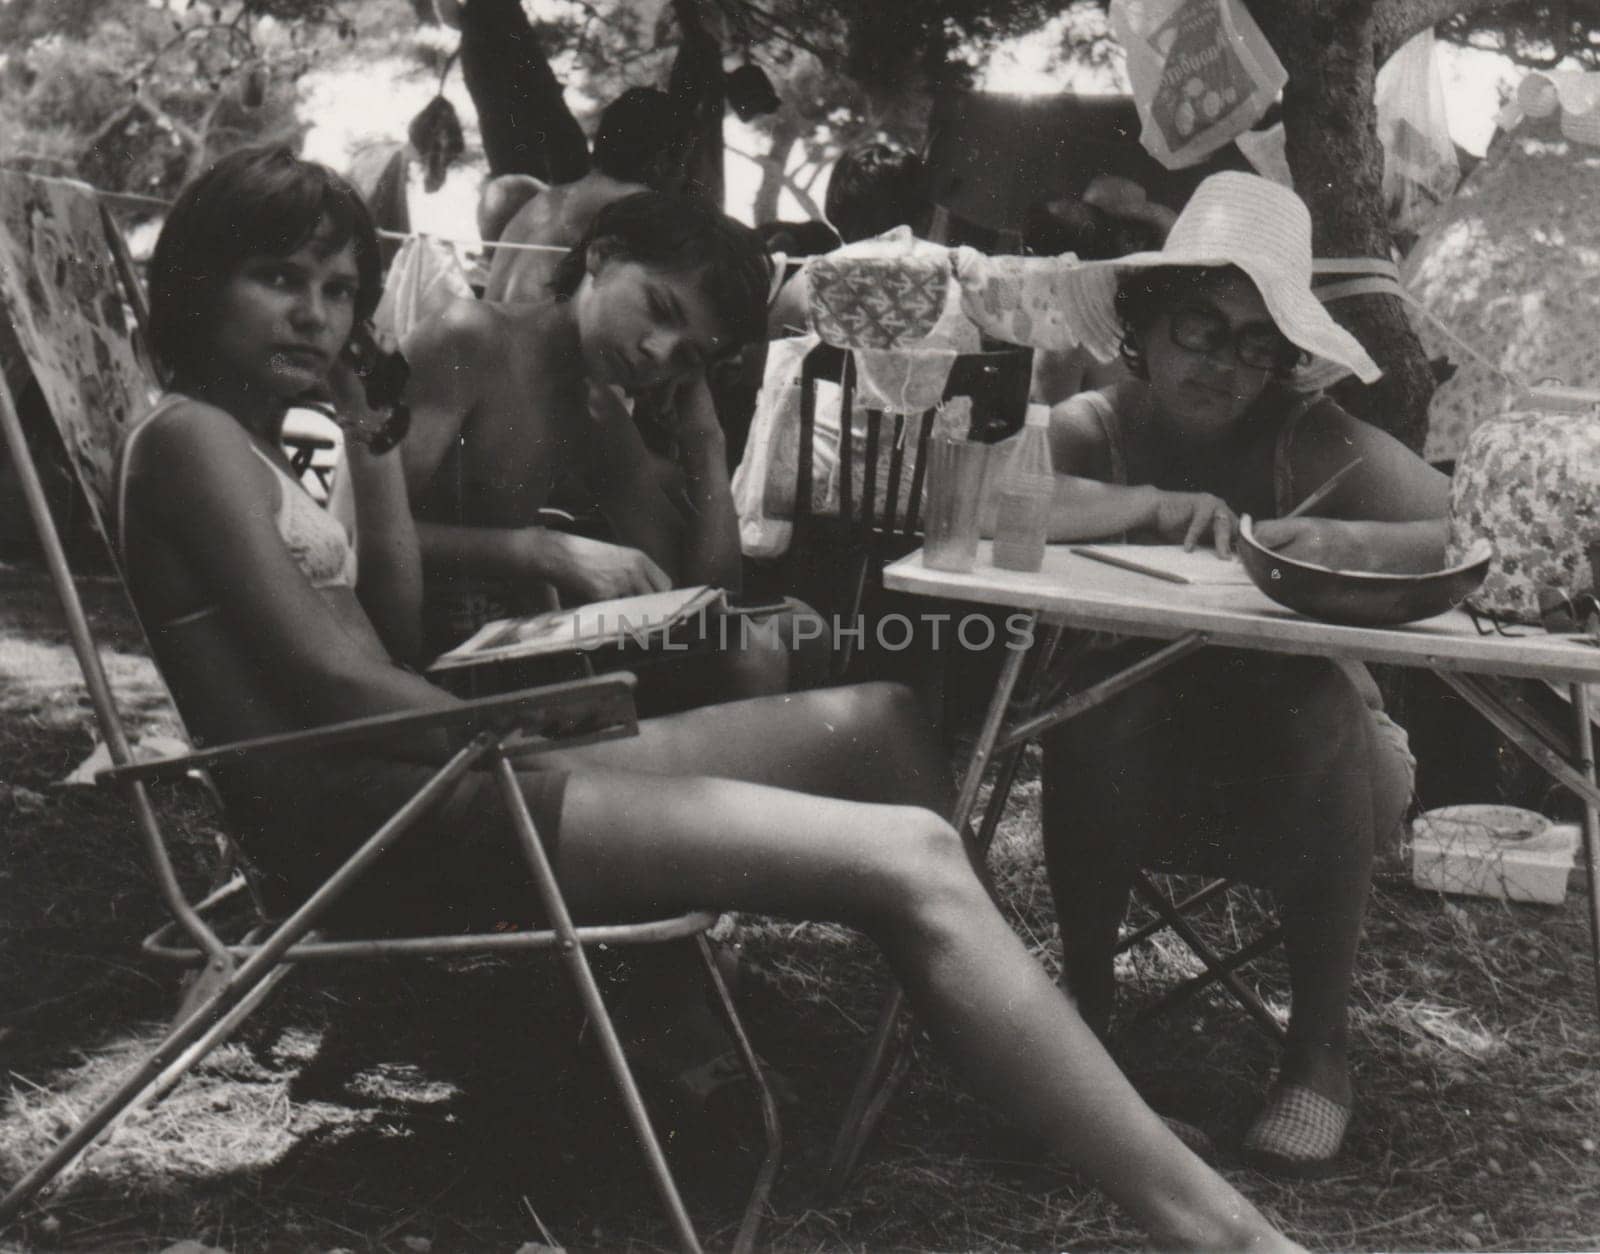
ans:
(799, 625)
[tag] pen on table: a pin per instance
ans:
(1122, 563)
(1322, 493)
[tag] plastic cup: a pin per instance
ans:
(952, 501)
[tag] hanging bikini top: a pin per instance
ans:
(319, 544)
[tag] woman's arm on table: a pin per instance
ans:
(1389, 515)
(1088, 508)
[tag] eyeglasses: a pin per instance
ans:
(1256, 344)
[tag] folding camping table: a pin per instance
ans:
(1074, 592)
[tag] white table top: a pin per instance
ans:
(1088, 594)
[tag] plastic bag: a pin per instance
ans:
(1202, 73)
(1420, 170)
(1266, 151)
(764, 482)
(426, 276)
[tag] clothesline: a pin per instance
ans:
(487, 245)
(156, 202)
(1374, 277)
(1382, 278)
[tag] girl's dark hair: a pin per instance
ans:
(679, 235)
(1147, 292)
(252, 202)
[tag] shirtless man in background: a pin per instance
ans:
(642, 145)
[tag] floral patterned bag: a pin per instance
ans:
(1529, 483)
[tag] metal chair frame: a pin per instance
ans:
(238, 977)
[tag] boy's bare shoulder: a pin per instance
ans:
(464, 332)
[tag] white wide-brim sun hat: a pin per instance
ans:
(1233, 219)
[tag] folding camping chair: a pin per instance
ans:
(74, 334)
(875, 525)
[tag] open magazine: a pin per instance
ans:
(641, 621)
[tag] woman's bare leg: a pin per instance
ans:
(635, 842)
(1105, 799)
(861, 743)
(866, 742)
(1317, 823)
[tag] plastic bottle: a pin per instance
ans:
(1025, 492)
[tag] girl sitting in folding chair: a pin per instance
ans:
(1272, 769)
(265, 619)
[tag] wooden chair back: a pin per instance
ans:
(881, 474)
(881, 478)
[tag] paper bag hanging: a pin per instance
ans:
(1202, 73)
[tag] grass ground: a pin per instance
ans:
(450, 1107)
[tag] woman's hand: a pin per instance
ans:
(1396, 548)
(1187, 517)
(1331, 542)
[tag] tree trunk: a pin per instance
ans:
(526, 125)
(1331, 125)
(696, 84)
(785, 134)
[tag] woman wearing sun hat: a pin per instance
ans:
(1279, 770)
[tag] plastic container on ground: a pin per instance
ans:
(1493, 851)
(1024, 494)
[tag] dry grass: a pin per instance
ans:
(384, 1108)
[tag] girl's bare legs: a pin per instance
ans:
(860, 743)
(865, 742)
(633, 842)
(678, 818)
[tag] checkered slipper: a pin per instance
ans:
(1298, 1134)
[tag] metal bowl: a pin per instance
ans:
(1355, 597)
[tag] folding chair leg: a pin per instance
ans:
(1216, 968)
(577, 964)
(187, 1043)
(761, 1190)
(888, 1058)
(223, 1029)
(1183, 992)
(858, 592)
(186, 1062)
(240, 986)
